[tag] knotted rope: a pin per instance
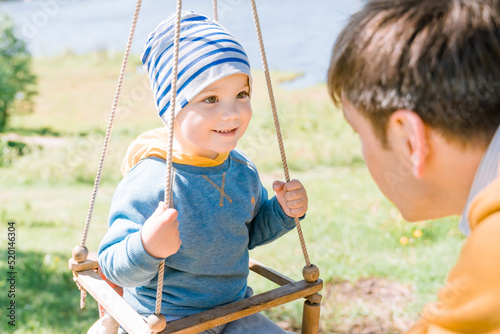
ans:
(168, 186)
(110, 123)
(276, 120)
(81, 251)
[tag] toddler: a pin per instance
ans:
(221, 208)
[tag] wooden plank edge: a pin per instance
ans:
(116, 306)
(90, 263)
(269, 273)
(240, 309)
(278, 278)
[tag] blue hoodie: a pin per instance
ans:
(223, 212)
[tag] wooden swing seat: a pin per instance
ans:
(289, 290)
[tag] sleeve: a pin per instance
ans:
(122, 256)
(470, 301)
(269, 222)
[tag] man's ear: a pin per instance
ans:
(406, 134)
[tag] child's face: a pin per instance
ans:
(215, 119)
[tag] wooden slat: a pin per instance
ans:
(240, 309)
(278, 278)
(269, 273)
(90, 263)
(122, 312)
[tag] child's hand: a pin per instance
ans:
(160, 233)
(292, 197)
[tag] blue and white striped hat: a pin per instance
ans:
(207, 53)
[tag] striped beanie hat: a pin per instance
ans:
(207, 53)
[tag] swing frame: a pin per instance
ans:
(128, 318)
(85, 266)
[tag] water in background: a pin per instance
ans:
(298, 34)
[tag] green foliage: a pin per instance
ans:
(10, 151)
(17, 82)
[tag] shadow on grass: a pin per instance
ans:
(46, 299)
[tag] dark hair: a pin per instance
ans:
(439, 58)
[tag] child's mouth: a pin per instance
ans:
(226, 132)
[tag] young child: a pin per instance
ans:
(419, 82)
(222, 208)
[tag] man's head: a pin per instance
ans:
(207, 53)
(439, 58)
(419, 80)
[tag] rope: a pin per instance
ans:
(276, 120)
(110, 124)
(83, 292)
(168, 186)
(214, 8)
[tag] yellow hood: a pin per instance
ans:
(154, 143)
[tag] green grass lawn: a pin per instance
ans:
(378, 271)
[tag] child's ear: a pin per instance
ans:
(406, 133)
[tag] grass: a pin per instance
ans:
(353, 233)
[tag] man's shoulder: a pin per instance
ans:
(485, 203)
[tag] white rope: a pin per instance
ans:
(214, 9)
(110, 123)
(168, 186)
(276, 120)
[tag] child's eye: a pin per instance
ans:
(242, 95)
(211, 99)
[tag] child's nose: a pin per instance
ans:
(229, 112)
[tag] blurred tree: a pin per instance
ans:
(17, 81)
